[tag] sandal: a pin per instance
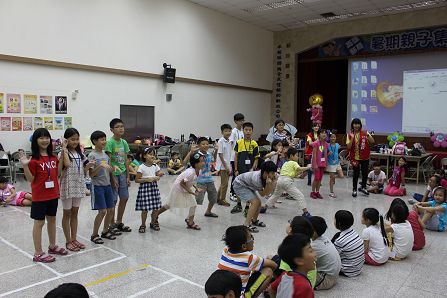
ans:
(154, 226)
(43, 258)
(78, 244)
(114, 230)
(142, 229)
(192, 226)
(108, 235)
(253, 229)
(71, 246)
(56, 250)
(96, 239)
(211, 214)
(123, 228)
(258, 223)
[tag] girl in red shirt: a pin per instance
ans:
(310, 139)
(42, 171)
(358, 142)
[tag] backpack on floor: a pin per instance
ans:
(399, 148)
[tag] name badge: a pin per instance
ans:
(49, 184)
(247, 161)
(323, 159)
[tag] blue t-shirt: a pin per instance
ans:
(441, 215)
(332, 159)
(205, 174)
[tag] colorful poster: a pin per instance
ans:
(13, 102)
(58, 123)
(30, 104)
(1, 102)
(46, 104)
(48, 123)
(38, 122)
(68, 122)
(61, 104)
(5, 123)
(27, 123)
(16, 123)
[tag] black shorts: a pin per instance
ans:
(46, 208)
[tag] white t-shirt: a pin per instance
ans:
(148, 172)
(375, 177)
(378, 251)
(236, 135)
(226, 149)
(403, 239)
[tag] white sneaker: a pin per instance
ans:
(332, 195)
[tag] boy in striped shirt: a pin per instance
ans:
(348, 244)
(255, 272)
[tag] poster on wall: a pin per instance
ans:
(48, 123)
(1, 102)
(27, 123)
(16, 123)
(46, 104)
(30, 104)
(38, 122)
(13, 102)
(58, 123)
(68, 122)
(61, 104)
(5, 123)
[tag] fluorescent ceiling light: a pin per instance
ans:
(272, 5)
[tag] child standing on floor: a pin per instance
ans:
(148, 198)
(333, 163)
(376, 179)
(310, 139)
(9, 196)
(319, 163)
(434, 212)
(396, 184)
(175, 166)
(182, 198)
(72, 187)
(401, 230)
(42, 171)
(117, 149)
(223, 163)
(286, 182)
(374, 237)
(348, 244)
(101, 172)
(236, 135)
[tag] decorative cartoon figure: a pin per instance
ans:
(316, 100)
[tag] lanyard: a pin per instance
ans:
(48, 167)
(249, 146)
(76, 161)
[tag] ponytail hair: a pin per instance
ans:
(382, 230)
(372, 214)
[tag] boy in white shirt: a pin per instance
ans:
(223, 164)
(236, 135)
(376, 179)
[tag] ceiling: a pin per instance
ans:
(279, 15)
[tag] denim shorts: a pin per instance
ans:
(122, 191)
(102, 197)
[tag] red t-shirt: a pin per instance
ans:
(293, 285)
(39, 169)
(418, 231)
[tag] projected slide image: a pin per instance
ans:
(389, 94)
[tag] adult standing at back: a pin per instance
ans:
(358, 142)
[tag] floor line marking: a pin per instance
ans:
(30, 256)
(77, 253)
(152, 288)
(80, 236)
(30, 286)
(94, 266)
(17, 269)
(115, 275)
(177, 277)
(8, 211)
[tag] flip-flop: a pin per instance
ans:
(211, 215)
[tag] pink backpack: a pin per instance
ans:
(399, 148)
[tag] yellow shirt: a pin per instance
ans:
(290, 169)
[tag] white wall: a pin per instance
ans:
(137, 35)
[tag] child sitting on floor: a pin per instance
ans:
(376, 179)
(402, 233)
(254, 271)
(223, 283)
(9, 196)
(396, 184)
(433, 182)
(434, 212)
(374, 237)
(133, 166)
(175, 166)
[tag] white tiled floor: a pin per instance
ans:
(176, 262)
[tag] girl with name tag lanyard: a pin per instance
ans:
(72, 186)
(319, 163)
(42, 171)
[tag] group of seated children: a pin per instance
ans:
(307, 260)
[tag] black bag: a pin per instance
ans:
(415, 152)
